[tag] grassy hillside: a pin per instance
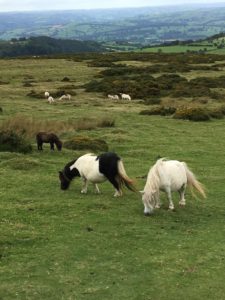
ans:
(65, 245)
(214, 44)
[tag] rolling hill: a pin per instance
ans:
(143, 26)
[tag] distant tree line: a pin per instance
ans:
(46, 46)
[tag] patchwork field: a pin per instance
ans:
(65, 245)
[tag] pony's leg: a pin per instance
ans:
(97, 189)
(182, 192)
(158, 203)
(118, 192)
(84, 187)
(52, 146)
(169, 196)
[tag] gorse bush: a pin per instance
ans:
(14, 142)
(152, 101)
(86, 143)
(34, 94)
(159, 110)
(192, 113)
(139, 83)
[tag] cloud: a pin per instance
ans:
(21, 5)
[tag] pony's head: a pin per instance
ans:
(149, 201)
(59, 145)
(64, 180)
(67, 175)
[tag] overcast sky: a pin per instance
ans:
(24, 5)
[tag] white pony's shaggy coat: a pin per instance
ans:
(168, 176)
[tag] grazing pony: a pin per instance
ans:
(113, 97)
(51, 138)
(97, 169)
(125, 97)
(168, 176)
(51, 99)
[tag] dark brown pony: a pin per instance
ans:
(51, 138)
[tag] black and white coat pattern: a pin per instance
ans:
(97, 169)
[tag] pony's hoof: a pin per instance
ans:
(172, 210)
(182, 204)
(83, 192)
(148, 214)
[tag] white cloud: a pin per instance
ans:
(21, 5)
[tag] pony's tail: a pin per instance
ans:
(193, 182)
(123, 178)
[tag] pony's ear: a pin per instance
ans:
(142, 192)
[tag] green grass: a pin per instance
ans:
(65, 245)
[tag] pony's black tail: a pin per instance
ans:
(123, 178)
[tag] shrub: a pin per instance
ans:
(106, 123)
(27, 84)
(34, 94)
(192, 114)
(216, 113)
(65, 79)
(14, 142)
(152, 101)
(86, 143)
(159, 110)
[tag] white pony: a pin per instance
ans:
(113, 97)
(47, 94)
(168, 176)
(125, 97)
(51, 99)
(97, 169)
(65, 97)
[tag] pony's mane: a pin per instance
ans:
(153, 180)
(69, 164)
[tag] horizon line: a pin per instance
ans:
(115, 8)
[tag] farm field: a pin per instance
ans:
(66, 245)
(183, 49)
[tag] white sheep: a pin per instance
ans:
(47, 94)
(50, 100)
(113, 97)
(65, 97)
(125, 97)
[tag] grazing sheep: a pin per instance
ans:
(125, 97)
(65, 97)
(51, 99)
(113, 97)
(47, 94)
